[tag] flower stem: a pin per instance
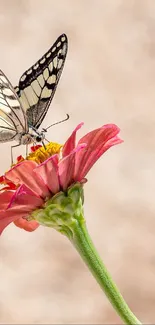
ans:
(85, 247)
(64, 212)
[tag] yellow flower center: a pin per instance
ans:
(42, 153)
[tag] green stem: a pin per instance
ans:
(85, 247)
(64, 212)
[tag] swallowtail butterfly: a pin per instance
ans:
(23, 108)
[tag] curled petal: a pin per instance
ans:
(71, 142)
(67, 167)
(26, 225)
(98, 141)
(48, 171)
(23, 173)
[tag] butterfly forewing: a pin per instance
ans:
(12, 117)
(38, 84)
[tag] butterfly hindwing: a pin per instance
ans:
(12, 117)
(38, 84)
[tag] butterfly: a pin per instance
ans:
(23, 108)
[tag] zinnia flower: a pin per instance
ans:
(32, 183)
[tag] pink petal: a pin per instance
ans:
(113, 142)
(98, 141)
(22, 203)
(67, 167)
(6, 217)
(26, 225)
(23, 173)
(48, 171)
(24, 199)
(71, 142)
(5, 198)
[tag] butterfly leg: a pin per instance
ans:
(43, 145)
(26, 150)
(47, 140)
(17, 145)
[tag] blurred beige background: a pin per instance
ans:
(109, 76)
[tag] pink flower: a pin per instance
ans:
(30, 184)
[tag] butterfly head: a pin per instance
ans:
(28, 138)
(40, 137)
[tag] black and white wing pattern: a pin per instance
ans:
(12, 117)
(38, 84)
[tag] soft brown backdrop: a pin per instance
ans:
(109, 76)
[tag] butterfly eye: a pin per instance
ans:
(38, 138)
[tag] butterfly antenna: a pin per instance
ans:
(44, 130)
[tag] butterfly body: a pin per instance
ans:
(23, 108)
(30, 137)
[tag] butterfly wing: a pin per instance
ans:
(12, 117)
(38, 84)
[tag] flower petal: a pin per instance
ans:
(23, 173)
(24, 199)
(48, 171)
(98, 141)
(26, 225)
(112, 142)
(5, 198)
(67, 167)
(6, 217)
(71, 142)
(22, 203)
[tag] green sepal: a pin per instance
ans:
(63, 210)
